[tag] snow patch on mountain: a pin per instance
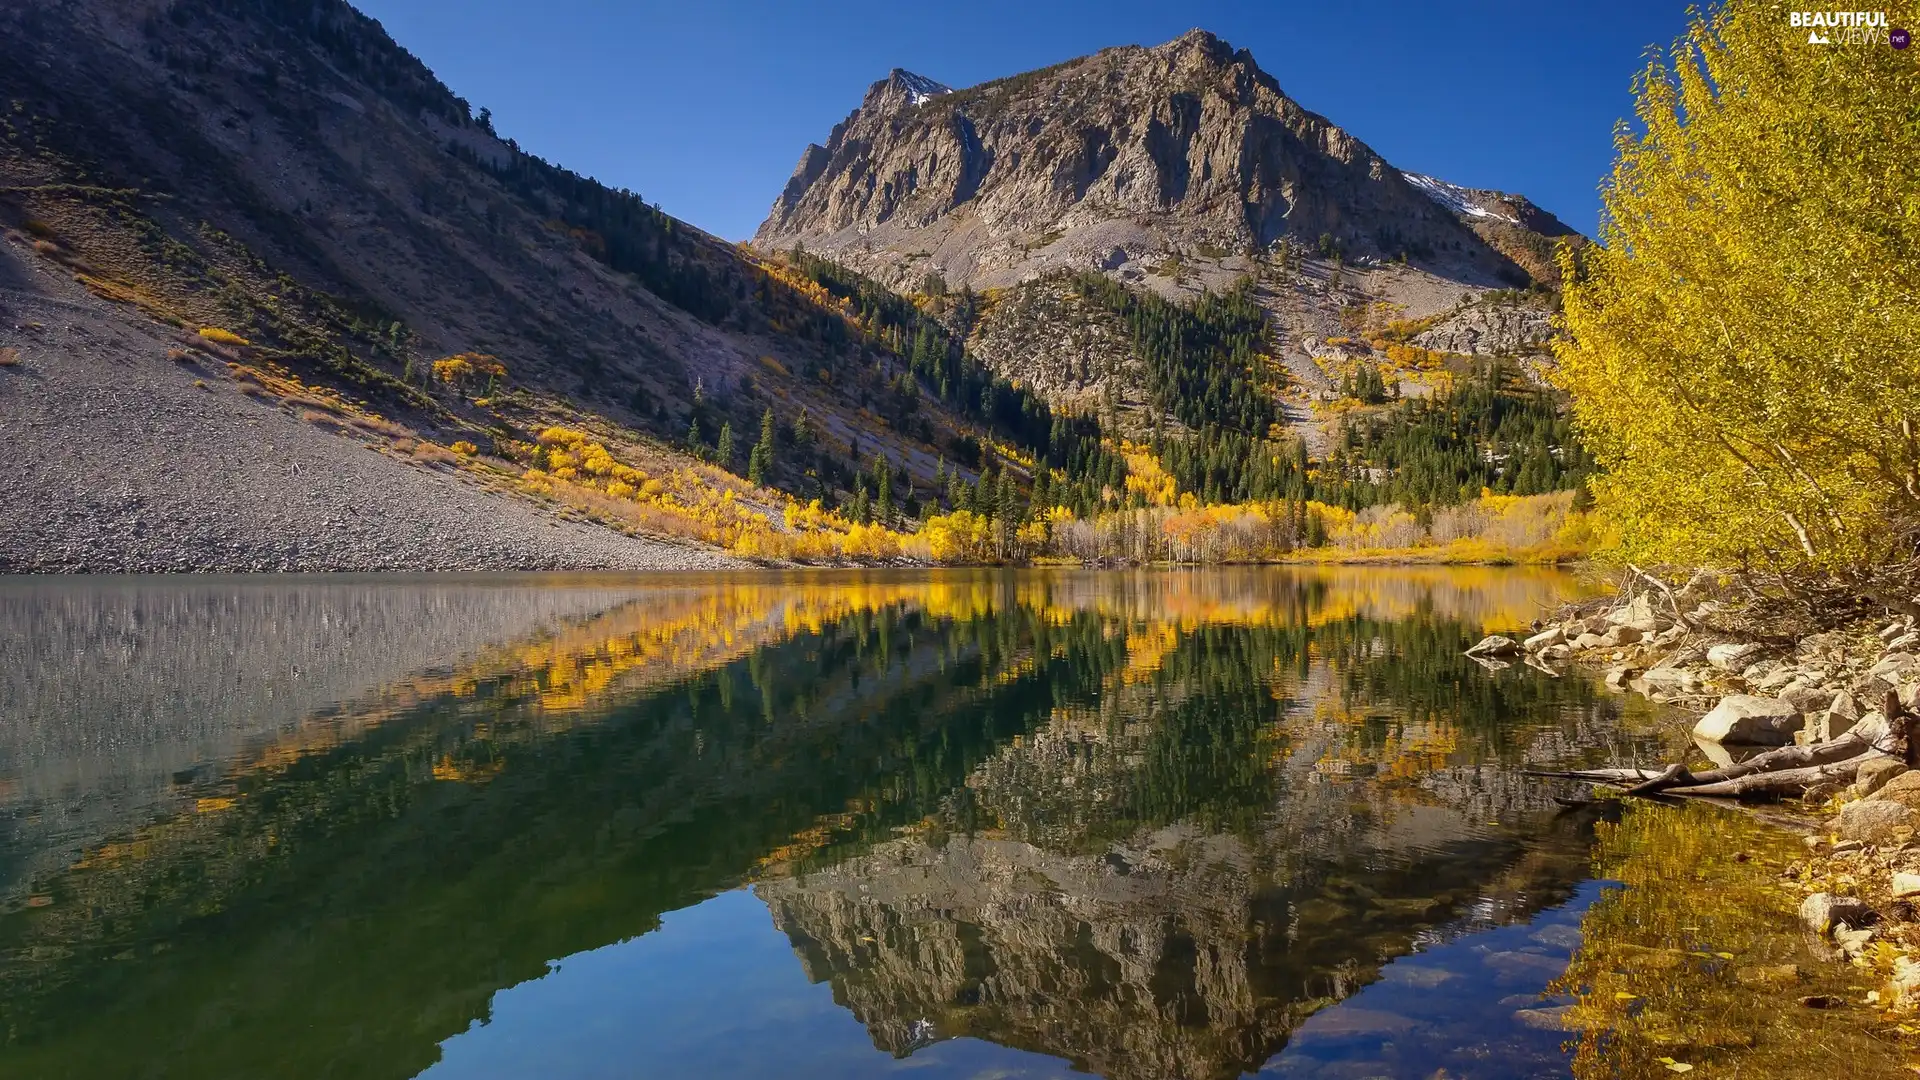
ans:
(920, 89)
(1455, 198)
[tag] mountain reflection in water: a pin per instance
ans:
(1143, 825)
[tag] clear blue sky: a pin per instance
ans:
(704, 105)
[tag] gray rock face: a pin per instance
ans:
(1112, 160)
(1486, 331)
(1749, 720)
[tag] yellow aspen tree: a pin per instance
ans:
(1743, 346)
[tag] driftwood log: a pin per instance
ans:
(1784, 772)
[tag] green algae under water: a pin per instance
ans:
(950, 824)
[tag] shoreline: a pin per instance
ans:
(1857, 887)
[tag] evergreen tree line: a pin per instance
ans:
(1199, 358)
(1493, 430)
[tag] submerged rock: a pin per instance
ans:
(1495, 645)
(1557, 1018)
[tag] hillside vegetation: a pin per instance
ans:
(271, 207)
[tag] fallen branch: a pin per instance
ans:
(1785, 771)
(1786, 781)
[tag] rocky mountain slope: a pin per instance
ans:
(340, 255)
(1178, 169)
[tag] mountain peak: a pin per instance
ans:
(916, 89)
(1129, 161)
(1201, 39)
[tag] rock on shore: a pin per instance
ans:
(1861, 880)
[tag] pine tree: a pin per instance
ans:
(760, 461)
(725, 448)
(883, 491)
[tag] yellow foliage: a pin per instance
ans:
(465, 448)
(463, 367)
(1741, 348)
(222, 337)
(959, 537)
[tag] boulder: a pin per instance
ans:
(1808, 699)
(1733, 657)
(1495, 645)
(1876, 823)
(1771, 975)
(1844, 707)
(1719, 755)
(1638, 614)
(1872, 690)
(1559, 651)
(1875, 774)
(1905, 884)
(1893, 665)
(1588, 641)
(1824, 911)
(1905, 983)
(1755, 721)
(1620, 635)
(1543, 639)
(1904, 642)
(1902, 788)
(1668, 680)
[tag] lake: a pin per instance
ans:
(940, 824)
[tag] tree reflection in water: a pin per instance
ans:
(1145, 822)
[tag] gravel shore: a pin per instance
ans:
(121, 460)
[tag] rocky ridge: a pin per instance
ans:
(1178, 169)
(1117, 161)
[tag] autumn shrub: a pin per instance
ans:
(223, 337)
(465, 448)
(9, 356)
(1743, 347)
(432, 453)
(377, 425)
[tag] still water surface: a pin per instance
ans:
(934, 824)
